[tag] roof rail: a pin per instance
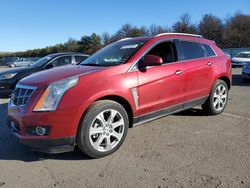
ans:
(184, 34)
(124, 39)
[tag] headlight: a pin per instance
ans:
(7, 76)
(53, 94)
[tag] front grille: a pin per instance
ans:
(21, 95)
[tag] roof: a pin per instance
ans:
(161, 34)
(181, 34)
(68, 53)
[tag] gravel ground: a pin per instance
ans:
(187, 149)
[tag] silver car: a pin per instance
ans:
(23, 62)
(246, 71)
(240, 59)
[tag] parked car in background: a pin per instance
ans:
(9, 78)
(22, 62)
(246, 71)
(126, 83)
(1, 61)
(240, 59)
(5, 60)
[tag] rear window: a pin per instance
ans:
(209, 50)
(192, 50)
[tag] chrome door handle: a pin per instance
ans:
(210, 63)
(178, 72)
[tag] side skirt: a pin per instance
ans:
(167, 111)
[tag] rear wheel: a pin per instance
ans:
(217, 100)
(103, 129)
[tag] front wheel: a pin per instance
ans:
(103, 129)
(217, 100)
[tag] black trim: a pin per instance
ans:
(167, 111)
(51, 146)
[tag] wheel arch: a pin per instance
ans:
(117, 98)
(227, 80)
(122, 101)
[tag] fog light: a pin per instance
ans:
(40, 131)
(37, 131)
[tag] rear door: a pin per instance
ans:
(197, 68)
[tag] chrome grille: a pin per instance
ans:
(21, 95)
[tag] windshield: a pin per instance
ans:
(114, 54)
(243, 55)
(42, 61)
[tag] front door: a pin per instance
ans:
(161, 87)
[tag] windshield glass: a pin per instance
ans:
(243, 55)
(114, 54)
(42, 61)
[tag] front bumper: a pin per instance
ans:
(62, 124)
(43, 144)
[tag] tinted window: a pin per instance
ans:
(192, 50)
(65, 60)
(79, 59)
(209, 51)
(42, 61)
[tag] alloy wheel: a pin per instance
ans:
(220, 97)
(107, 130)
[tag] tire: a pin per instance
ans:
(217, 100)
(99, 134)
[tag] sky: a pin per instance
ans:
(28, 24)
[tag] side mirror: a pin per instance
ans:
(151, 60)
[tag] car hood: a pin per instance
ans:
(44, 78)
(238, 59)
(16, 70)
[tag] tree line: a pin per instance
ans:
(232, 32)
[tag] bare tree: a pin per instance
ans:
(184, 25)
(211, 28)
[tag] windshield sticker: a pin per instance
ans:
(129, 46)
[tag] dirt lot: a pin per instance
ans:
(187, 149)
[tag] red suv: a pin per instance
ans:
(127, 83)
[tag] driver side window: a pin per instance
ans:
(65, 60)
(165, 50)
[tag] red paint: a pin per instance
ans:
(158, 87)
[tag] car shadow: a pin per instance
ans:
(191, 112)
(12, 149)
(238, 81)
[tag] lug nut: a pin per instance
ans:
(107, 134)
